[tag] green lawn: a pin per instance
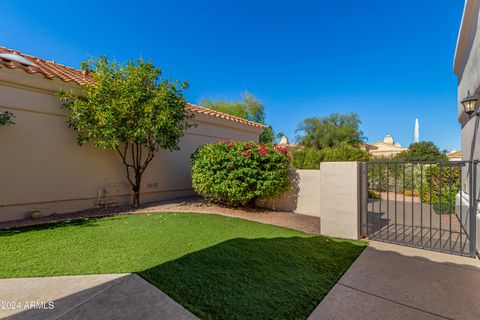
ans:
(217, 267)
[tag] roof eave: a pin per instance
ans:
(463, 39)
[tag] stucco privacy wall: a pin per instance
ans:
(43, 168)
(303, 197)
(331, 193)
(467, 69)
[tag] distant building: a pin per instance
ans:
(454, 155)
(285, 143)
(386, 148)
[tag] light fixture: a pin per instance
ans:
(469, 103)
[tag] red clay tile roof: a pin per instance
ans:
(51, 69)
(454, 154)
(221, 115)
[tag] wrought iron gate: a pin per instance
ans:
(421, 204)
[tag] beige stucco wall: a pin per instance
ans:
(331, 193)
(466, 67)
(42, 167)
(303, 196)
(339, 199)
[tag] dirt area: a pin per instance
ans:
(296, 221)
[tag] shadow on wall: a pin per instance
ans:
(289, 201)
(276, 278)
(474, 141)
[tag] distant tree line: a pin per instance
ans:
(250, 108)
(336, 137)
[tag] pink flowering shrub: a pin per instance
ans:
(238, 173)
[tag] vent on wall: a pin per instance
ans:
(17, 58)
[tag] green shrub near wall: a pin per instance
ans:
(408, 178)
(308, 158)
(344, 153)
(395, 177)
(443, 185)
(238, 173)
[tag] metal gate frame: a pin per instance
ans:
(467, 228)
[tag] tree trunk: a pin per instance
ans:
(136, 188)
(136, 197)
(136, 166)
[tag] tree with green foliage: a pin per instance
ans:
(330, 131)
(267, 136)
(250, 109)
(6, 118)
(422, 151)
(130, 109)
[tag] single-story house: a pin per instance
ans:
(42, 167)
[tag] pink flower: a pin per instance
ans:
(262, 151)
(246, 153)
(281, 149)
(228, 143)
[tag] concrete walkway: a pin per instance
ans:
(118, 296)
(395, 282)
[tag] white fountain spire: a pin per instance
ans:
(416, 135)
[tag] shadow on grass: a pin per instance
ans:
(266, 298)
(85, 222)
(263, 278)
(279, 278)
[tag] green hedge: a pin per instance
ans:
(238, 173)
(344, 153)
(308, 158)
(406, 177)
(444, 185)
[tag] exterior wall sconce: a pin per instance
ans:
(469, 103)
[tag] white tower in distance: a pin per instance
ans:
(416, 135)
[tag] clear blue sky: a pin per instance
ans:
(389, 61)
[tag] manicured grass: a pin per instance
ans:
(217, 267)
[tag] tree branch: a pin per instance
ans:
(151, 154)
(127, 165)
